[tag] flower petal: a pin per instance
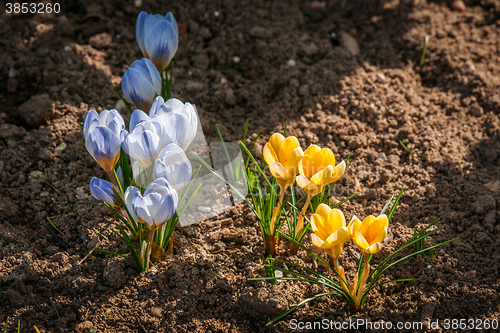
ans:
(103, 191)
(129, 195)
(141, 206)
(104, 146)
(304, 183)
(143, 147)
(278, 171)
(180, 130)
(137, 89)
(339, 237)
(354, 224)
(276, 140)
(161, 43)
(137, 117)
(89, 118)
(373, 249)
(336, 220)
(287, 148)
(318, 242)
(360, 241)
(269, 154)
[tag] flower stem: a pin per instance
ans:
(150, 246)
(300, 220)
(364, 276)
(275, 212)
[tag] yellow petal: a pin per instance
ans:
(354, 224)
(305, 166)
(327, 157)
(380, 237)
(276, 140)
(375, 228)
(360, 241)
(318, 242)
(372, 249)
(292, 164)
(339, 237)
(323, 210)
(313, 149)
(334, 252)
(279, 171)
(337, 173)
(335, 220)
(318, 226)
(304, 183)
(322, 177)
(269, 154)
(287, 148)
(366, 226)
(285, 183)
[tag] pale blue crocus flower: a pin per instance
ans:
(102, 133)
(156, 206)
(173, 165)
(141, 83)
(129, 195)
(103, 191)
(158, 37)
(179, 120)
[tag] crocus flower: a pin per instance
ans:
(369, 234)
(157, 37)
(156, 206)
(180, 120)
(141, 83)
(102, 133)
(173, 165)
(129, 195)
(144, 142)
(103, 191)
(317, 169)
(283, 156)
(330, 231)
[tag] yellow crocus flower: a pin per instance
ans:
(283, 156)
(369, 234)
(317, 169)
(330, 230)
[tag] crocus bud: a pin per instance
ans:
(102, 134)
(317, 169)
(156, 206)
(103, 191)
(330, 231)
(179, 120)
(283, 156)
(173, 165)
(141, 83)
(157, 37)
(369, 234)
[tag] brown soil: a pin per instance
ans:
(291, 68)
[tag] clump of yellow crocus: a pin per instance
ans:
(316, 170)
(283, 156)
(368, 236)
(330, 233)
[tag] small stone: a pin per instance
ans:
(36, 176)
(236, 60)
(86, 325)
(12, 72)
(44, 194)
(484, 204)
(304, 90)
(258, 150)
(37, 110)
(93, 242)
(60, 148)
(80, 193)
(68, 48)
(155, 311)
(101, 40)
(113, 274)
(195, 271)
(393, 159)
(194, 86)
(51, 250)
(381, 156)
(349, 43)
(385, 176)
(458, 5)
(64, 26)
(476, 111)
(429, 266)
(260, 32)
(380, 78)
(204, 209)
(291, 63)
(273, 302)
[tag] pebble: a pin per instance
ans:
(51, 250)
(291, 63)
(80, 193)
(273, 302)
(204, 209)
(380, 78)
(35, 176)
(261, 32)
(194, 86)
(458, 5)
(86, 325)
(429, 266)
(155, 311)
(68, 48)
(12, 72)
(195, 271)
(37, 110)
(93, 242)
(476, 111)
(101, 40)
(349, 43)
(304, 90)
(60, 148)
(236, 60)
